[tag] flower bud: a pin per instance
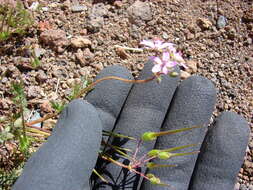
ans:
(148, 136)
(150, 165)
(164, 155)
(153, 179)
(153, 152)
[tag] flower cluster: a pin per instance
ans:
(166, 56)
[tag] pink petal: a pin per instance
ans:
(156, 69)
(165, 45)
(158, 60)
(148, 43)
(165, 70)
(166, 56)
(177, 57)
(171, 64)
(158, 43)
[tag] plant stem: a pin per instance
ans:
(114, 78)
(29, 124)
(23, 120)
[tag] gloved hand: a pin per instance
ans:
(66, 160)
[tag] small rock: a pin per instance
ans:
(243, 187)
(59, 72)
(84, 57)
(192, 66)
(122, 53)
(139, 12)
(46, 106)
(78, 8)
(248, 41)
(248, 15)
(231, 33)
(79, 57)
(221, 22)
(184, 74)
(220, 73)
(189, 35)
(96, 17)
(80, 42)
(70, 82)
(118, 4)
(56, 38)
(49, 124)
(41, 76)
(34, 91)
(237, 186)
(165, 36)
(204, 23)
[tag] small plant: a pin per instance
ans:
(165, 59)
(14, 19)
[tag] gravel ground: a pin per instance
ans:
(77, 39)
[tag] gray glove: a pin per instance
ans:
(66, 160)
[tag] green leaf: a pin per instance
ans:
(24, 144)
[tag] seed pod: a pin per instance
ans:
(148, 136)
(153, 152)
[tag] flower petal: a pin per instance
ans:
(156, 68)
(148, 43)
(158, 43)
(165, 70)
(171, 64)
(166, 56)
(165, 45)
(157, 60)
(178, 57)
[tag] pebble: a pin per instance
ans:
(192, 66)
(243, 187)
(204, 23)
(34, 91)
(56, 38)
(80, 42)
(221, 22)
(139, 11)
(184, 75)
(96, 17)
(78, 8)
(41, 76)
(165, 36)
(237, 186)
(46, 107)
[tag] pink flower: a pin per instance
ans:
(157, 45)
(163, 65)
(177, 57)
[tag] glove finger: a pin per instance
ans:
(66, 160)
(144, 110)
(221, 153)
(192, 105)
(109, 96)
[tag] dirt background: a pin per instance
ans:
(74, 39)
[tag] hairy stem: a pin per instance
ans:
(114, 78)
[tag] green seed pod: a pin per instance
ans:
(164, 155)
(173, 74)
(150, 165)
(148, 136)
(153, 152)
(154, 180)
